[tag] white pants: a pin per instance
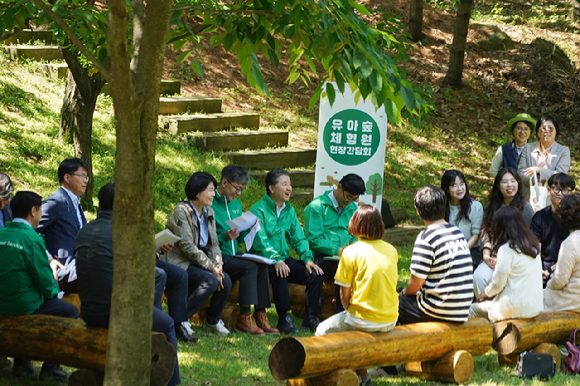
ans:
(344, 321)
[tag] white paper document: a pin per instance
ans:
(256, 258)
(165, 237)
(244, 222)
(334, 258)
(249, 239)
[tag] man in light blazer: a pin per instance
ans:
(63, 217)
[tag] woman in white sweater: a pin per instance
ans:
(562, 292)
(515, 290)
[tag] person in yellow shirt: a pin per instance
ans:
(367, 276)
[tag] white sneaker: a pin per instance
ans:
(218, 328)
(187, 327)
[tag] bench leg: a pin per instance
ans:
(86, 377)
(455, 367)
(335, 378)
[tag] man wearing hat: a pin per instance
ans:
(520, 128)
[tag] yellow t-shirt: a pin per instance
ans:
(369, 267)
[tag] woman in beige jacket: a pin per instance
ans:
(198, 251)
(562, 292)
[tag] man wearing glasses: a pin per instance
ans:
(254, 282)
(6, 189)
(547, 228)
(63, 217)
(326, 221)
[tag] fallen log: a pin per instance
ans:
(294, 357)
(70, 342)
(455, 367)
(517, 335)
(335, 378)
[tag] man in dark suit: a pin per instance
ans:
(63, 217)
(6, 189)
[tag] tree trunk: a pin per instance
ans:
(76, 114)
(306, 357)
(517, 335)
(135, 87)
(416, 20)
(575, 10)
(457, 51)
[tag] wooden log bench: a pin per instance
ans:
(72, 343)
(540, 334)
(436, 350)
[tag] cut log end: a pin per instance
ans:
(455, 367)
(505, 338)
(287, 359)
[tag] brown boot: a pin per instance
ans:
(246, 323)
(262, 322)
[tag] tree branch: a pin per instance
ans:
(74, 39)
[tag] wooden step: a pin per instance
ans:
(401, 235)
(168, 87)
(302, 197)
(39, 53)
(26, 36)
(210, 122)
(183, 105)
(399, 214)
(270, 159)
(239, 140)
(55, 70)
(300, 178)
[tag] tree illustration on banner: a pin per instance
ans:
(374, 186)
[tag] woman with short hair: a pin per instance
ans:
(562, 292)
(367, 276)
(198, 251)
(515, 290)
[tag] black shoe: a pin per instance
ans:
(22, 368)
(52, 371)
(183, 335)
(286, 326)
(310, 323)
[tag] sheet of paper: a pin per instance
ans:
(256, 258)
(249, 239)
(334, 258)
(165, 237)
(244, 222)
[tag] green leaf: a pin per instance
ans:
(229, 41)
(196, 67)
(409, 97)
(339, 80)
(184, 55)
(330, 93)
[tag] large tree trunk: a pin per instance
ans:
(416, 20)
(135, 90)
(457, 52)
(575, 10)
(76, 114)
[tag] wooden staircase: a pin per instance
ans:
(232, 135)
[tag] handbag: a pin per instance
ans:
(571, 364)
(532, 365)
(538, 194)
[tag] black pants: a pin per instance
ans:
(329, 267)
(202, 284)
(254, 281)
(409, 311)
(298, 275)
(172, 280)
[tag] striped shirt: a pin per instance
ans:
(441, 256)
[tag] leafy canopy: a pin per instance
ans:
(324, 40)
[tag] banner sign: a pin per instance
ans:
(351, 139)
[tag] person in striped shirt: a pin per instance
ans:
(441, 283)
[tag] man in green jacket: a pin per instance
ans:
(28, 281)
(279, 221)
(326, 221)
(254, 283)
